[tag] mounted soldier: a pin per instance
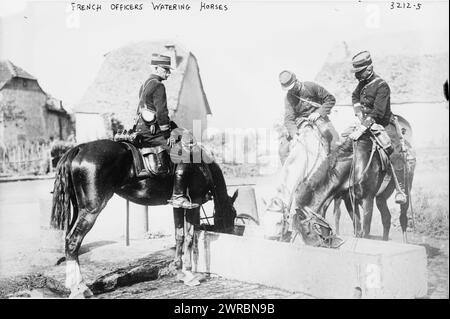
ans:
(372, 106)
(305, 101)
(156, 134)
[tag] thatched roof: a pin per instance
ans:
(412, 78)
(116, 87)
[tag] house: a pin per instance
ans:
(27, 112)
(415, 80)
(113, 96)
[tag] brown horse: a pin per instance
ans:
(353, 172)
(89, 174)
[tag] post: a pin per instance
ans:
(146, 219)
(127, 225)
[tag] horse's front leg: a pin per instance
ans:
(337, 213)
(190, 251)
(178, 218)
(74, 279)
(367, 205)
(353, 212)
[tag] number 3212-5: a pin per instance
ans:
(405, 5)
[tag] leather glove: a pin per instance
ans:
(313, 117)
(356, 134)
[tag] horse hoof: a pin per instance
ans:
(81, 292)
(190, 279)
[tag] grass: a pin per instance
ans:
(431, 212)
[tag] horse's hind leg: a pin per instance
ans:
(178, 218)
(404, 219)
(74, 280)
(404, 207)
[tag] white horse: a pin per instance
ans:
(308, 150)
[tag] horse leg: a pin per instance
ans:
(382, 206)
(367, 205)
(178, 218)
(337, 213)
(192, 218)
(404, 207)
(404, 217)
(354, 215)
(74, 279)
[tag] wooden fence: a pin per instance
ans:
(25, 158)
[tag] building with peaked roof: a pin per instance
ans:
(114, 92)
(27, 112)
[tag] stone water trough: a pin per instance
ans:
(367, 268)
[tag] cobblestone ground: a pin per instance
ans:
(211, 288)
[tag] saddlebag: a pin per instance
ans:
(156, 160)
(382, 138)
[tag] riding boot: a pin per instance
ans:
(179, 198)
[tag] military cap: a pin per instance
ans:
(361, 61)
(287, 80)
(161, 60)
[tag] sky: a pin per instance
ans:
(240, 51)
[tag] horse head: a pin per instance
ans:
(314, 229)
(231, 200)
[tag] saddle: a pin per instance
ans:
(155, 159)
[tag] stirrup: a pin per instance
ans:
(182, 202)
(400, 198)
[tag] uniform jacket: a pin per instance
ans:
(295, 108)
(374, 95)
(152, 95)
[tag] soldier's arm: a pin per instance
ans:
(327, 100)
(356, 95)
(379, 105)
(160, 102)
(289, 118)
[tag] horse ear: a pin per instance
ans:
(235, 195)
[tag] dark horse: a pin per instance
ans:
(357, 178)
(89, 174)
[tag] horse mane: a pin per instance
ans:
(324, 172)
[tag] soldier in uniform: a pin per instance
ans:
(305, 100)
(372, 104)
(156, 133)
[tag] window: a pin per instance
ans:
(25, 83)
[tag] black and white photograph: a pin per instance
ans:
(206, 151)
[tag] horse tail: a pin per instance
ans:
(62, 191)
